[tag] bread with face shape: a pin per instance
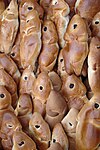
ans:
(9, 124)
(58, 135)
(58, 13)
(69, 122)
(26, 81)
(2, 6)
(23, 111)
(5, 98)
(88, 127)
(87, 9)
(22, 141)
(74, 91)
(76, 37)
(50, 48)
(8, 64)
(40, 131)
(8, 27)
(7, 81)
(42, 87)
(94, 65)
(30, 27)
(96, 25)
(61, 66)
(27, 5)
(56, 108)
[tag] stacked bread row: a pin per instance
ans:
(50, 75)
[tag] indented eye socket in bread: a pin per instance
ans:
(12, 54)
(54, 140)
(8, 9)
(70, 124)
(55, 2)
(27, 21)
(61, 60)
(45, 29)
(30, 8)
(22, 143)
(37, 126)
(98, 47)
(41, 88)
(71, 85)
(2, 95)
(25, 78)
(97, 106)
(9, 125)
(75, 26)
(97, 22)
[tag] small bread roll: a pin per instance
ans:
(61, 66)
(30, 27)
(8, 27)
(10, 123)
(58, 135)
(96, 25)
(42, 87)
(9, 65)
(58, 12)
(74, 91)
(22, 141)
(69, 122)
(7, 81)
(76, 37)
(26, 81)
(23, 111)
(5, 98)
(88, 127)
(56, 108)
(87, 9)
(50, 48)
(94, 65)
(40, 131)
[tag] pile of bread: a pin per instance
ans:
(50, 75)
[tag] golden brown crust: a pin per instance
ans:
(58, 13)
(42, 87)
(9, 124)
(69, 122)
(88, 127)
(94, 65)
(76, 37)
(96, 25)
(45, 4)
(58, 135)
(5, 98)
(40, 131)
(56, 108)
(26, 81)
(74, 91)
(87, 9)
(30, 44)
(50, 48)
(7, 81)
(9, 65)
(8, 27)
(22, 141)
